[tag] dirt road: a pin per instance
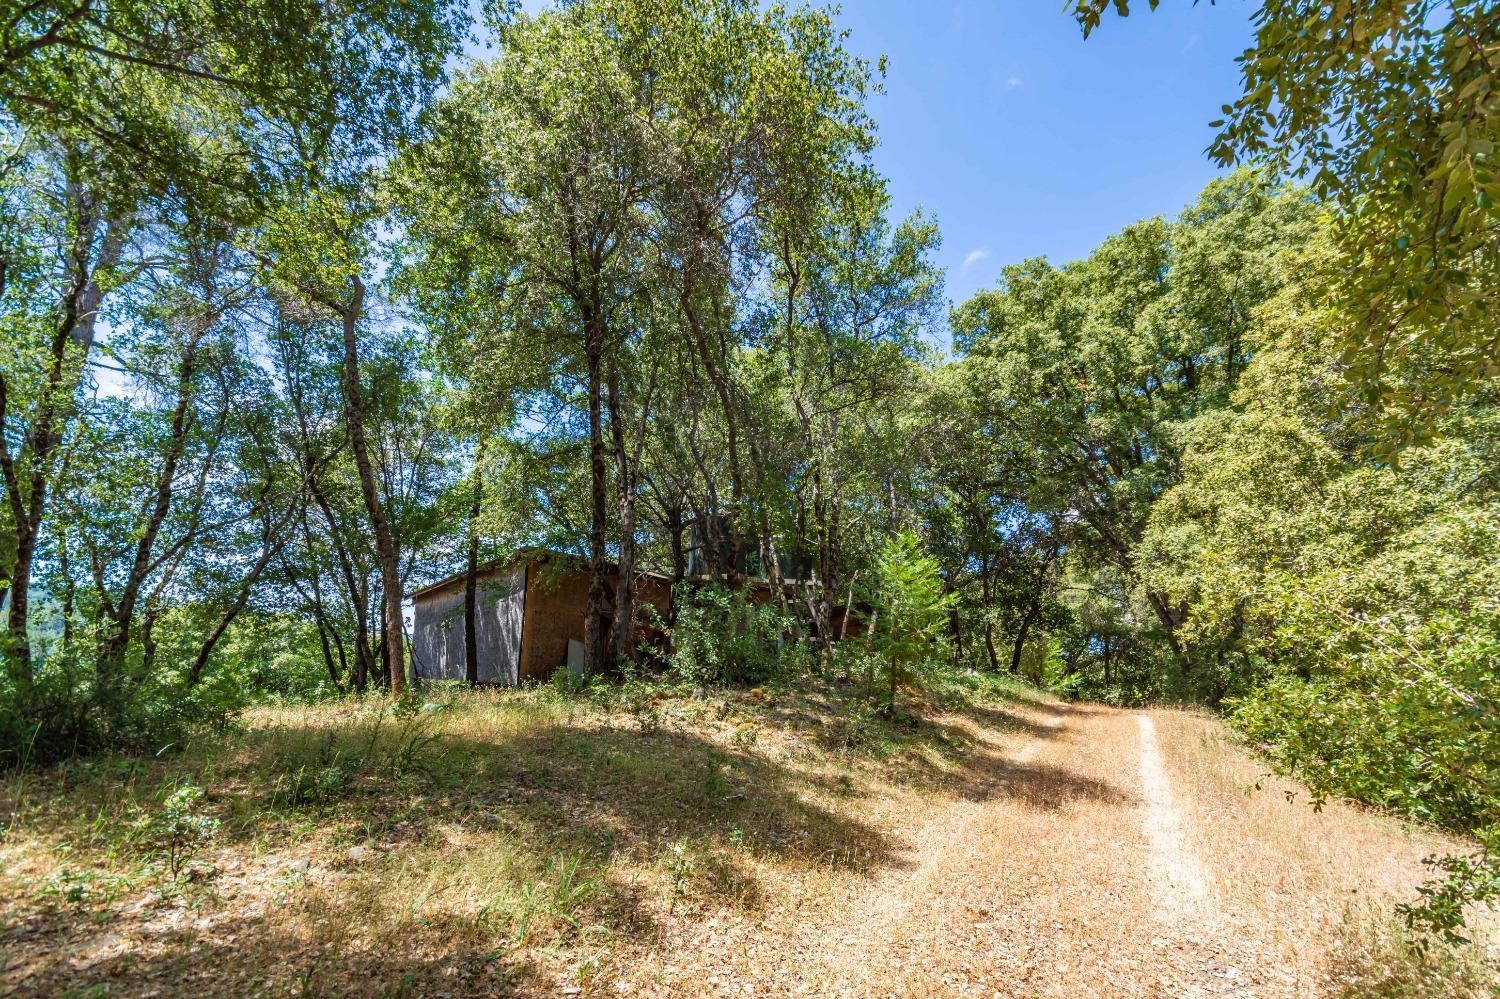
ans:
(1094, 852)
(1014, 847)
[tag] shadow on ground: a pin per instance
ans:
(267, 955)
(703, 813)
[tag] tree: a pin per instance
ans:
(1392, 109)
(134, 120)
(1001, 557)
(205, 94)
(844, 347)
(1348, 604)
(612, 214)
(1096, 366)
(54, 314)
(913, 616)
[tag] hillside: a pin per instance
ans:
(646, 842)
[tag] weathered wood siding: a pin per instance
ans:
(438, 629)
(555, 607)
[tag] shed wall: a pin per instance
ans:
(438, 629)
(556, 603)
(556, 608)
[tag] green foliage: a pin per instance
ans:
(911, 633)
(1177, 401)
(721, 636)
(1393, 109)
(205, 94)
(306, 780)
(1352, 604)
(147, 190)
(66, 712)
(181, 829)
(1465, 881)
(1083, 377)
(663, 314)
(1115, 650)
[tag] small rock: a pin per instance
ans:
(357, 853)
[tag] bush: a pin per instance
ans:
(181, 829)
(67, 712)
(722, 638)
(1384, 690)
(911, 636)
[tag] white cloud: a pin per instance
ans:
(1014, 81)
(974, 257)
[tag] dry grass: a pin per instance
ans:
(506, 837)
(521, 842)
(1319, 885)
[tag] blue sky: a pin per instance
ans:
(1026, 140)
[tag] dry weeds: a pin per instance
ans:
(517, 843)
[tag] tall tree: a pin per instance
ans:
(53, 308)
(1098, 363)
(140, 116)
(1392, 110)
(611, 180)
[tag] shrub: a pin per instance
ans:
(67, 712)
(721, 637)
(911, 637)
(181, 829)
(1384, 691)
(317, 778)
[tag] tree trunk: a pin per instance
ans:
(28, 499)
(358, 603)
(381, 676)
(385, 545)
(1171, 619)
(1018, 645)
(594, 652)
(363, 661)
(70, 588)
(117, 640)
(848, 608)
(271, 542)
(675, 528)
(624, 621)
(471, 580)
(989, 625)
(955, 625)
(335, 672)
(820, 595)
(1032, 610)
(724, 388)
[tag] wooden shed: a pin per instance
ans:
(529, 610)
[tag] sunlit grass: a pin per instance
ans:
(492, 835)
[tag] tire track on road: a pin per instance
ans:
(1179, 882)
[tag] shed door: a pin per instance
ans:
(502, 599)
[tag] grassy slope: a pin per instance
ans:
(528, 840)
(506, 836)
